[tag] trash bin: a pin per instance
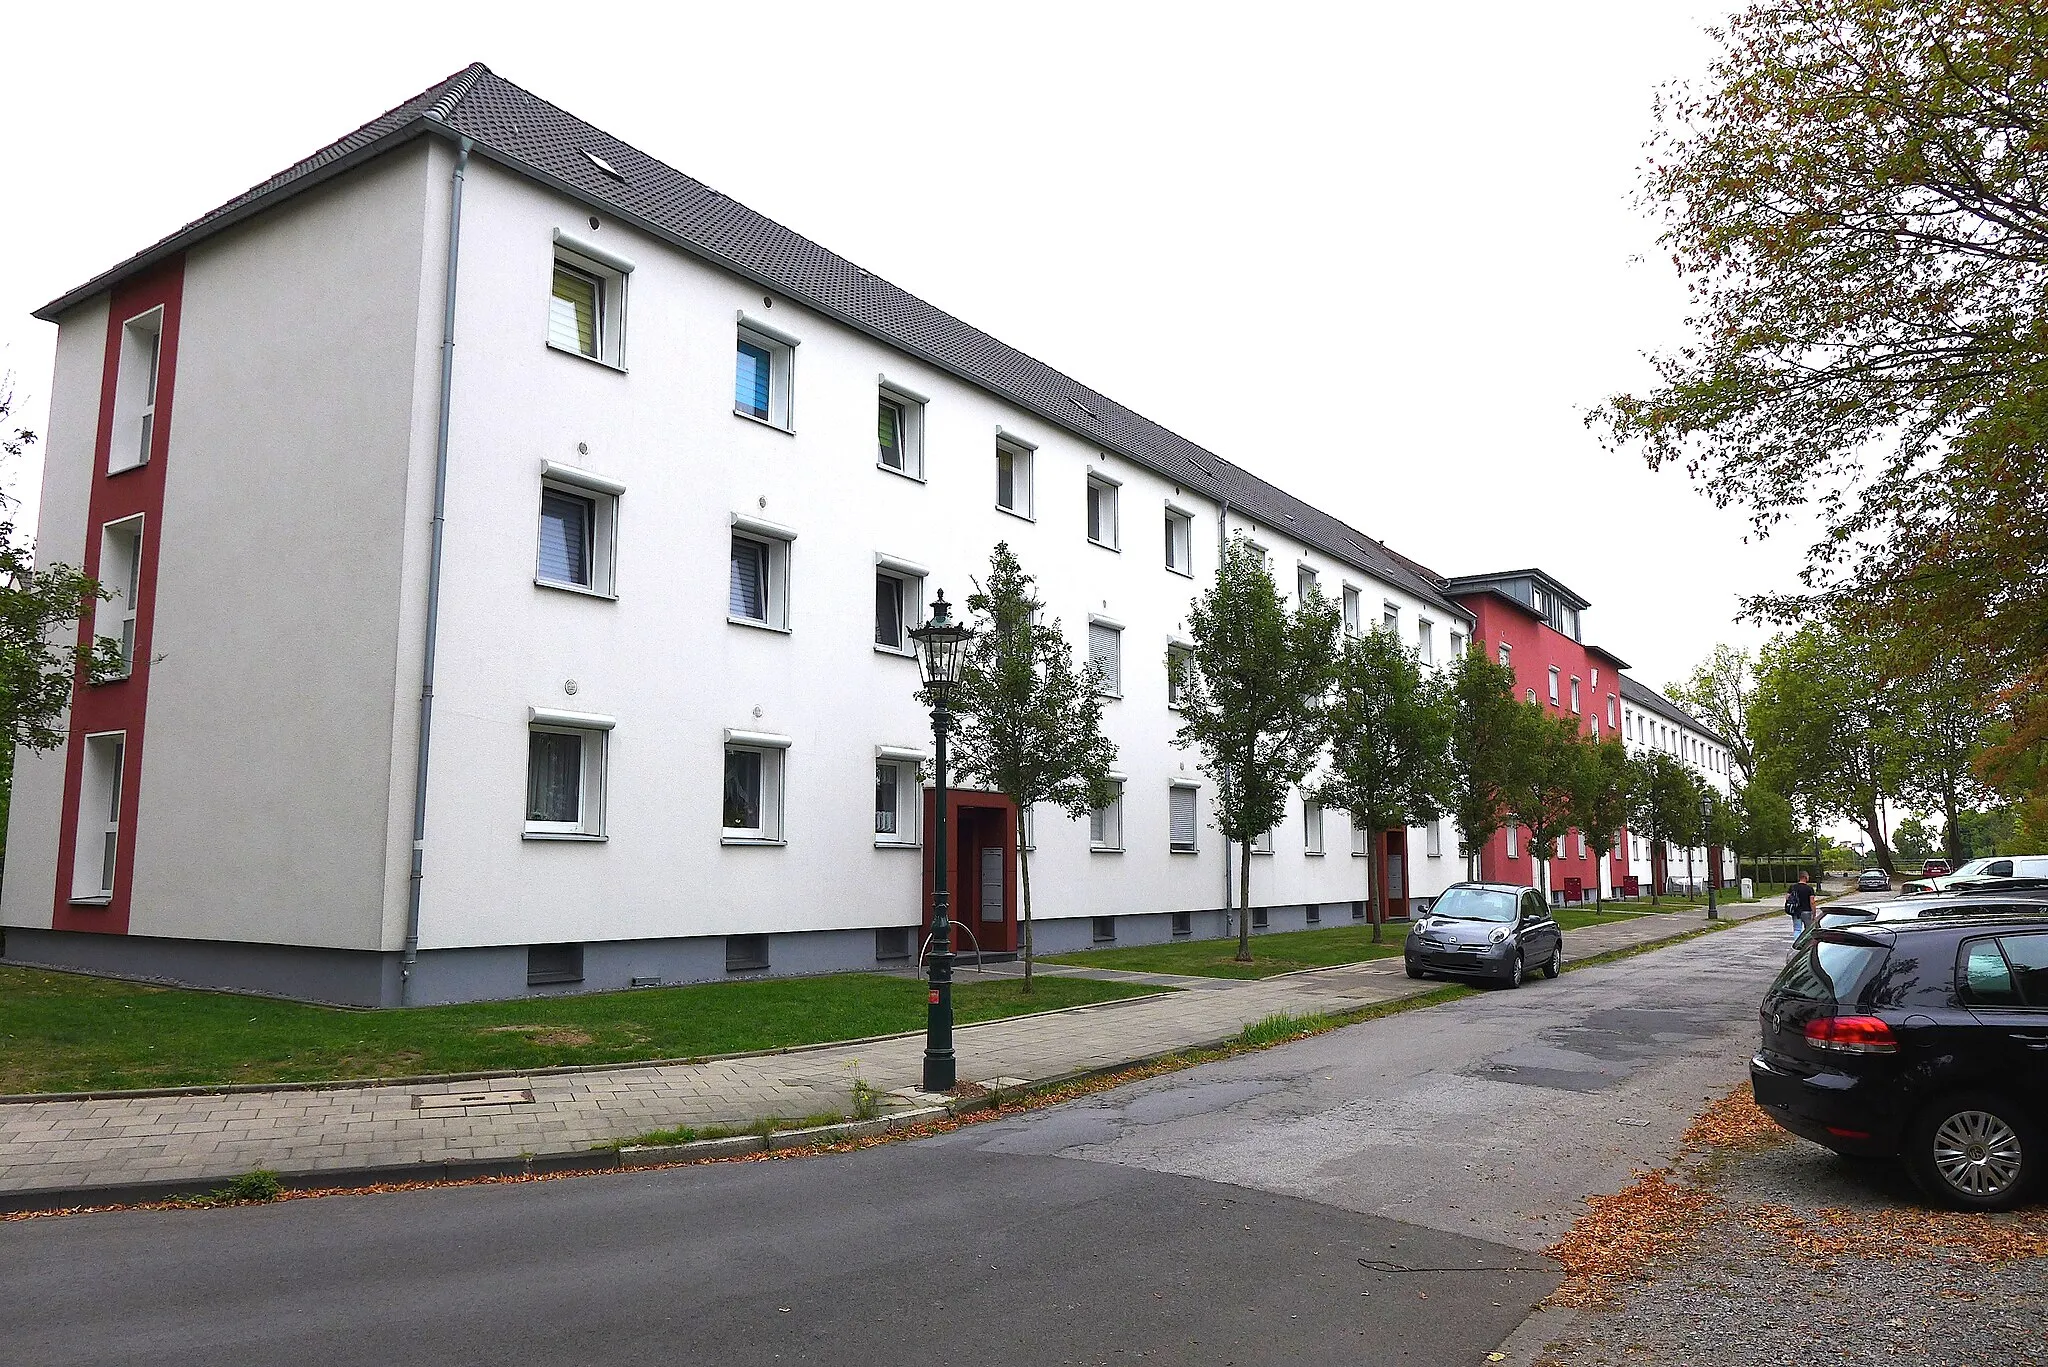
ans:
(1748, 890)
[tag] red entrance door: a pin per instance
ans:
(1397, 874)
(982, 872)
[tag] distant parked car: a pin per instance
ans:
(1873, 880)
(1977, 871)
(1934, 868)
(1486, 930)
(1939, 906)
(1920, 1040)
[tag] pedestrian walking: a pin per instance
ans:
(1800, 904)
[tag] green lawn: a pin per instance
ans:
(1278, 952)
(60, 1032)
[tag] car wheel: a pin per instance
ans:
(1415, 972)
(1515, 968)
(1974, 1151)
(1554, 965)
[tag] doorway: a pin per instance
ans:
(982, 872)
(1397, 874)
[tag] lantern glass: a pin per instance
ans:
(941, 647)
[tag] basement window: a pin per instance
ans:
(547, 965)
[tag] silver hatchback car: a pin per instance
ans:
(1502, 931)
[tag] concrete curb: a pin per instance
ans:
(1545, 1325)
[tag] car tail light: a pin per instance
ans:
(1851, 1035)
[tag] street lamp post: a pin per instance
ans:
(941, 652)
(1706, 838)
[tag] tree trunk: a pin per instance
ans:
(1656, 844)
(1599, 867)
(1376, 870)
(1244, 901)
(1688, 869)
(1951, 840)
(1024, 877)
(1873, 826)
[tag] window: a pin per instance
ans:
(1582, 844)
(1179, 540)
(565, 768)
(1425, 641)
(1610, 711)
(120, 571)
(1180, 811)
(1261, 917)
(1505, 653)
(99, 818)
(1351, 611)
(899, 432)
(1313, 912)
(1312, 827)
(1575, 696)
(1457, 644)
(899, 591)
(1390, 618)
(1183, 923)
(1027, 828)
(1514, 843)
(753, 788)
(746, 953)
(1304, 584)
(587, 302)
(762, 368)
(1358, 838)
(1262, 843)
(1102, 929)
(757, 591)
(1105, 657)
(1358, 911)
(578, 521)
(1102, 511)
(1106, 823)
(1179, 659)
(1536, 600)
(1571, 623)
(547, 965)
(1553, 685)
(897, 793)
(1531, 693)
(135, 386)
(1013, 478)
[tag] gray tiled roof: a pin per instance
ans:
(1644, 696)
(514, 127)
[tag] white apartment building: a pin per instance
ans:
(1650, 721)
(514, 543)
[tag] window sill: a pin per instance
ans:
(103, 899)
(1178, 850)
(756, 626)
(578, 589)
(750, 840)
(584, 836)
(600, 361)
(900, 654)
(113, 470)
(1263, 854)
(113, 679)
(1105, 849)
(898, 845)
(900, 474)
(1185, 574)
(1313, 854)
(1012, 512)
(1105, 545)
(764, 422)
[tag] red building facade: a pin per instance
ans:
(1532, 623)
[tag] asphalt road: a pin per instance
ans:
(1374, 1194)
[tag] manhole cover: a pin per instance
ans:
(455, 1101)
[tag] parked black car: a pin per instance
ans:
(1486, 930)
(1873, 880)
(1925, 1040)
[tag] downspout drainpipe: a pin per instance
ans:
(419, 782)
(1222, 545)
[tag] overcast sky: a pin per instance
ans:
(1382, 255)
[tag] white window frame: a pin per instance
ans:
(1433, 838)
(1553, 685)
(1106, 823)
(610, 273)
(1262, 843)
(777, 539)
(910, 578)
(1514, 842)
(1102, 499)
(1312, 828)
(1457, 644)
(1390, 618)
(781, 348)
(95, 871)
(773, 750)
(1305, 579)
(1360, 849)
(1575, 694)
(1180, 541)
(1173, 791)
(1023, 457)
(138, 380)
(1354, 610)
(594, 731)
(1112, 687)
(604, 494)
(120, 570)
(906, 761)
(910, 406)
(1425, 640)
(1507, 655)
(1176, 651)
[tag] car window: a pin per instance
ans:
(1829, 971)
(1998, 868)
(2028, 957)
(1475, 904)
(1532, 905)
(1984, 978)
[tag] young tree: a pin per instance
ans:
(1542, 783)
(1943, 734)
(1763, 820)
(1854, 200)
(1718, 692)
(1912, 841)
(1601, 791)
(1827, 728)
(39, 609)
(1486, 739)
(1390, 733)
(1664, 805)
(1252, 700)
(1029, 722)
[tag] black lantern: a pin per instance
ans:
(941, 655)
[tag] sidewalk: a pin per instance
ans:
(130, 1146)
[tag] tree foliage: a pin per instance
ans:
(1389, 726)
(1252, 694)
(1030, 723)
(1764, 820)
(1485, 741)
(1543, 781)
(1857, 200)
(1602, 790)
(1664, 803)
(1718, 692)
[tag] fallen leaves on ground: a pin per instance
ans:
(1735, 1122)
(1820, 1236)
(1620, 1235)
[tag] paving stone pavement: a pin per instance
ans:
(70, 1145)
